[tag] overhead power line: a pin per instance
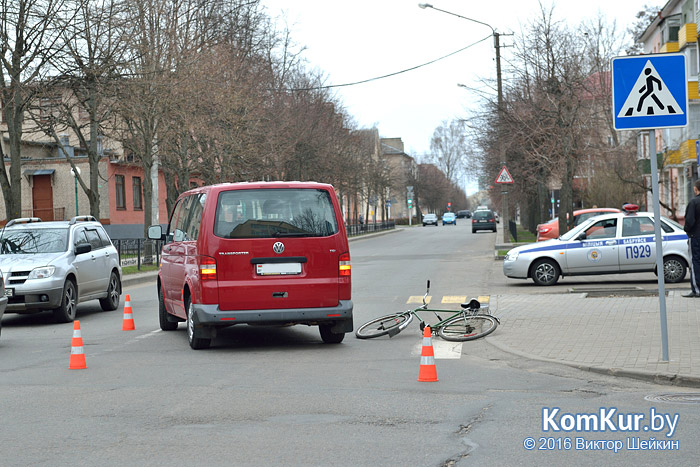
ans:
(329, 86)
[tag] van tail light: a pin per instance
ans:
(344, 264)
(207, 268)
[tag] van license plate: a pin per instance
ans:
(278, 269)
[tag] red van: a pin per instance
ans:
(266, 253)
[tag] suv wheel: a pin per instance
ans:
(193, 331)
(111, 301)
(65, 313)
(328, 336)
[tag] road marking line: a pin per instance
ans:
(150, 334)
(454, 299)
(419, 299)
(443, 349)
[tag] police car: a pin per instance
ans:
(606, 244)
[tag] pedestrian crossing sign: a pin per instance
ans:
(504, 176)
(649, 91)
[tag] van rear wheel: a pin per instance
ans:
(194, 332)
(328, 336)
(165, 323)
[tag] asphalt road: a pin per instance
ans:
(279, 396)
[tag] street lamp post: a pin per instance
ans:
(502, 154)
(75, 177)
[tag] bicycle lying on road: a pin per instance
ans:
(464, 325)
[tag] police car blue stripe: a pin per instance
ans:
(594, 243)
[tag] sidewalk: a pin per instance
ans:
(611, 335)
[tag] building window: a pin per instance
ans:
(121, 197)
(83, 113)
(136, 185)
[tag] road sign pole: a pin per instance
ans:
(659, 245)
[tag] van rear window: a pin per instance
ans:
(274, 213)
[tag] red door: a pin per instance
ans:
(42, 197)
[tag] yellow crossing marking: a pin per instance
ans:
(483, 299)
(419, 299)
(454, 299)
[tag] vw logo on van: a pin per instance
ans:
(278, 247)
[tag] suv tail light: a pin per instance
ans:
(344, 264)
(207, 268)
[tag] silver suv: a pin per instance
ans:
(56, 265)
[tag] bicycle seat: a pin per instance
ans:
(472, 305)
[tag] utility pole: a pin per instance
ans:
(502, 152)
(504, 190)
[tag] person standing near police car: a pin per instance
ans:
(692, 228)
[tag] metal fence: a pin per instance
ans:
(362, 229)
(138, 251)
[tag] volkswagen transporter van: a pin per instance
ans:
(265, 253)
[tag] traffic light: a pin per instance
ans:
(449, 206)
(410, 201)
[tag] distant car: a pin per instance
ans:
(449, 218)
(464, 214)
(483, 220)
(550, 229)
(611, 243)
(56, 265)
(430, 219)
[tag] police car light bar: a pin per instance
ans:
(630, 208)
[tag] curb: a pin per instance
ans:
(374, 234)
(138, 279)
(657, 378)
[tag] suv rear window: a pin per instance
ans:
(274, 213)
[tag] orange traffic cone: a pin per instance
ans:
(128, 324)
(428, 371)
(77, 356)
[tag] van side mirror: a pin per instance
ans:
(81, 248)
(155, 232)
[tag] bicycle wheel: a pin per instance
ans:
(384, 325)
(467, 328)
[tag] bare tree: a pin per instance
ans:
(448, 146)
(92, 51)
(29, 33)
